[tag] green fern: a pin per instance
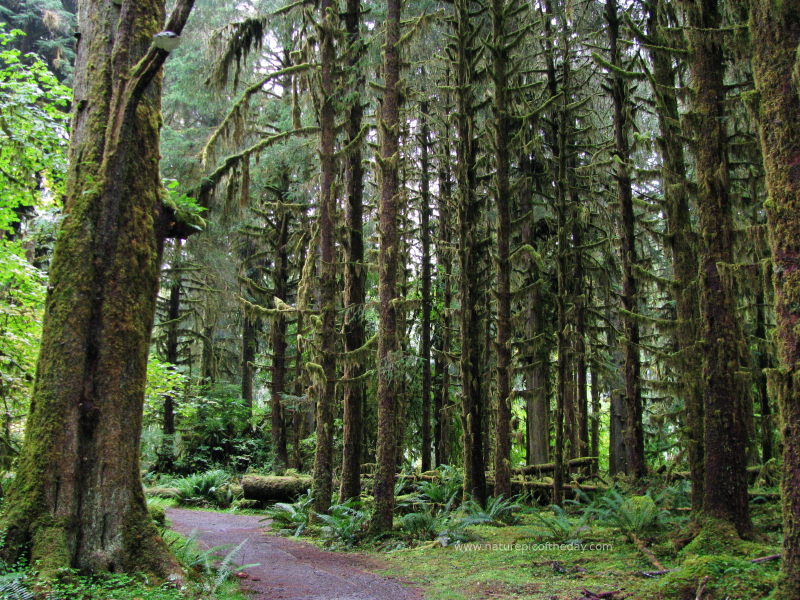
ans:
(345, 523)
(13, 587)
(291, 519)
(498, 511)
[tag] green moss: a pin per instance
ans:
(720, 537)
(157, 513)
(49, 550)
(728, 577)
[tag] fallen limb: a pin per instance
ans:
(600, 595)
(646, 551)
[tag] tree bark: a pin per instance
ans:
(425, 276)
(280, 277)
(470, 255)
(634, 434)
(502, 191)
(323, 457)
(354, 274)
(77, 499)
(445, 269)
(387, 266)
(775, 27)
(725, 391)
(680, 240)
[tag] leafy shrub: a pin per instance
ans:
(291, 518)
(345, 523)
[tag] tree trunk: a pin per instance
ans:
(280, 277)
(502, 191)
(77, 499)
(387, 266)
(166, 459)
(634, 434)
(323, 457)
(681, 242)
(725, 391)
(775, 27)
(354, 275)
(445, 268)
(425, 275)
(249, 348)
(469, 254)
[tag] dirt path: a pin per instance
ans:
(289, 570)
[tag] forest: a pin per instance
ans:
(443, 299)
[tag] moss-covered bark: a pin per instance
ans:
(388, 264)
(425, 276)
(634, 434)
(279, 344)
(775, 27)
(680, 238)
(445, 270)
(354, 273)
(470, 253)
(725, 391)
(323, 457)
(500, 10)
(77, 499)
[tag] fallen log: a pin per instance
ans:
(539, 470)
(275, 488)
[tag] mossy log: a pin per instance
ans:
(539, 470)
(273, 488)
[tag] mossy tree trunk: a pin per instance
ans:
(323, 457)
(680, 239)
(354, 272)
(726, 393)
(425, 276)
(499, 48)
(387, 266)
(634, 434)
(278, 331)
(471, 297)
(166, 459)
(775, 27)
(445, 270)
(77, 499)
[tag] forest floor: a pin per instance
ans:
(286, 569)
(502, 563)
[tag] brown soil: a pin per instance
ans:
(289, 570)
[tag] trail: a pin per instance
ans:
(289, 570)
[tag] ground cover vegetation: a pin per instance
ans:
(505, 293)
